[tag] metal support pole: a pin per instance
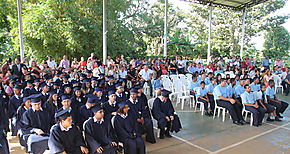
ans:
(104, 33)
(243, 33)
(165, 28)
(209, 35)
(20, 29)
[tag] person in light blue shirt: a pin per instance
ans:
(272, 99)
(231, 87)
(251, 104)
(266, 63)
(193, 85)
(239, 90)
(223, 100)
(255, 86)
(237, 79)
(191, 68)
(210, 96)
(207, 81)
(201, 95)
(157, 83)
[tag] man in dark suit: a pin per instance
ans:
(16, 68)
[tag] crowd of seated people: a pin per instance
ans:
(88, 107)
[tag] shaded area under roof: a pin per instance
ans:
(234, 4)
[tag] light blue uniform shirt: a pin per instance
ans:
(191, 69)
(239, 90)
(231, 90)
(201, 92)
(270, 92)
(157, 84)
(207, 81)
(237, 82)
(220, 91)
(255, 87)
(248, 98)
(210, 88)
(193, 85)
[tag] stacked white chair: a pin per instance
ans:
(146, 88)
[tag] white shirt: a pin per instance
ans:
(122, 74)
(63, 129)
(98, 121)
(110, 62)
(198, 61)
(182, 63)
(146, 74)
(51, 64)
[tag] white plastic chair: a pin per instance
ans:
(278, 83)
(146, 88)
(219, 109)
(201, 108)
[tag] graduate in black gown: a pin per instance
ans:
(53, 104)
(14, 103)
(78, 99)
(111, 84)
(65, 137)
(23, 108)
(120, 94)
(99, 93)
(27, 91)
(44, 92)
(143, 98)
(127, 131)
(99, 133)
(66, 104)
(138, 112)
(111, 106)
(36, 124)
(4, 148)
(85, 110)
(35, 89)
(163, 112)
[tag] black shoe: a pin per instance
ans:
(167, 134)
(260, 124)
(207, 114)
(270, 120)
(237, 123)
(152, 142)
(256, 125)
(243, 122)
(211, 113)
(277, 119)
(279, 116)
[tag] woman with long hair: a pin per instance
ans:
(53, 103)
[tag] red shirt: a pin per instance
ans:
(83, 64)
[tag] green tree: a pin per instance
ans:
(277, 42)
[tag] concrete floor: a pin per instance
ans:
(202, 134)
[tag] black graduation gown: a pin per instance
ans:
(3, 122)
(109, 109)
(111, 86)
(19, 124)
(125, 129)
(34, 90)
(162, 109)
(52, 108)
(68, 141)
(99, 135)
(138, 111)
(43, 98)
(102, 99)
(38, 119)
(85, 114)
(27, 92)
(75, 115)
(14, 104)
(75, 104)
(122, 98)
(144, 100)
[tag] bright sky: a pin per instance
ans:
(257, 40)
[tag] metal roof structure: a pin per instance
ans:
(233, 4)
